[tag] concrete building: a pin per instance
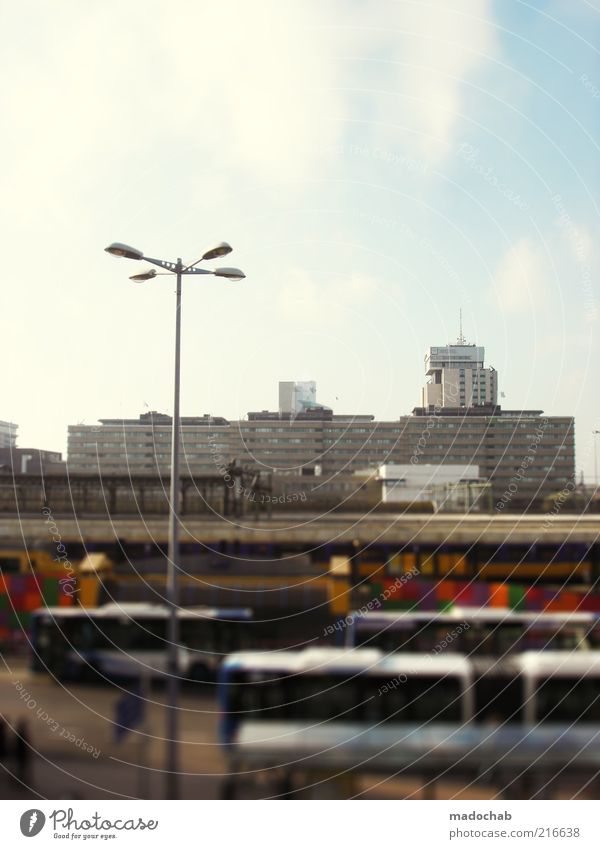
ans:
(143, 445)
(526, 456)
(458, 378)
(8, 434)
(408, 482)
(298, 397)
(312, 442)
(28, 461)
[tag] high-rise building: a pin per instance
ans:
(8, 434)
(458, 377)
(298, 396)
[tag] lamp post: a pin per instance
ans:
(595, 434)
(178, 269)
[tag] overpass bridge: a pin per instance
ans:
(302, 531)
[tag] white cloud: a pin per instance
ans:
(257, 91)
(520, 281)
(252, 91)
(424, 52)
(307, 298)
(584, 267)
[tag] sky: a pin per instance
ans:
(376, 166)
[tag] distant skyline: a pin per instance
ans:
(375, 167)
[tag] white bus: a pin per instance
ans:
(131, 639)
(341, 712)
(484, 631)
(307, 692)
(560, 687)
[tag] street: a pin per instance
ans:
(76, 753)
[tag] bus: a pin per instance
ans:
(473, 631)
(302, 692)
(330, 714)
(74, 642)
(561, 687)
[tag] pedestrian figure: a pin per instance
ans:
(3, 742)
(22, 752)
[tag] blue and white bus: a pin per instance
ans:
(341, 712)
(308, 691)
(74, 642)
(481, 631)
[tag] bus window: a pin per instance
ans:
(434, 700)
(508, 638)
(568, 700)
(323, 697)
(393, 704)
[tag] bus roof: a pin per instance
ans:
(368, 661)
(472, 615)
(559, 664)
(141, 610)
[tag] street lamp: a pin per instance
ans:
(121, 250)
(595, 434)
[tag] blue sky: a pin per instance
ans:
(376, 167)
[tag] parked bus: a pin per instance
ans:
(330, 714)
(561, 687)
(74, 642)
(303, 691)
(490, 631)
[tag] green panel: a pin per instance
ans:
(403, 604)
(50, 592)
(376, 590)
(516, 597)
(19, 621)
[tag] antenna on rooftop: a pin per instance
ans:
(461, 339)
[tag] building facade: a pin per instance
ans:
(8, 434)
(298, 396)
(28, 461)
(143, 446)
(458, 377)
(410, 482)
(525, 455)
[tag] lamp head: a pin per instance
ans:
(119, 249)
(222, 249)
(229, 273)
(145, 275)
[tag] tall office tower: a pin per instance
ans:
(297, 396)
(8, 434)
(457, 377)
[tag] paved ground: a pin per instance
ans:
(72, 732)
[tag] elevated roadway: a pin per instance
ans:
(305, 530)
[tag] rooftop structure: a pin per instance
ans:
(298, 396)
(458, 377)
(8, 434)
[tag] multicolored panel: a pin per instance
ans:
(20, 595)
(420, 594)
